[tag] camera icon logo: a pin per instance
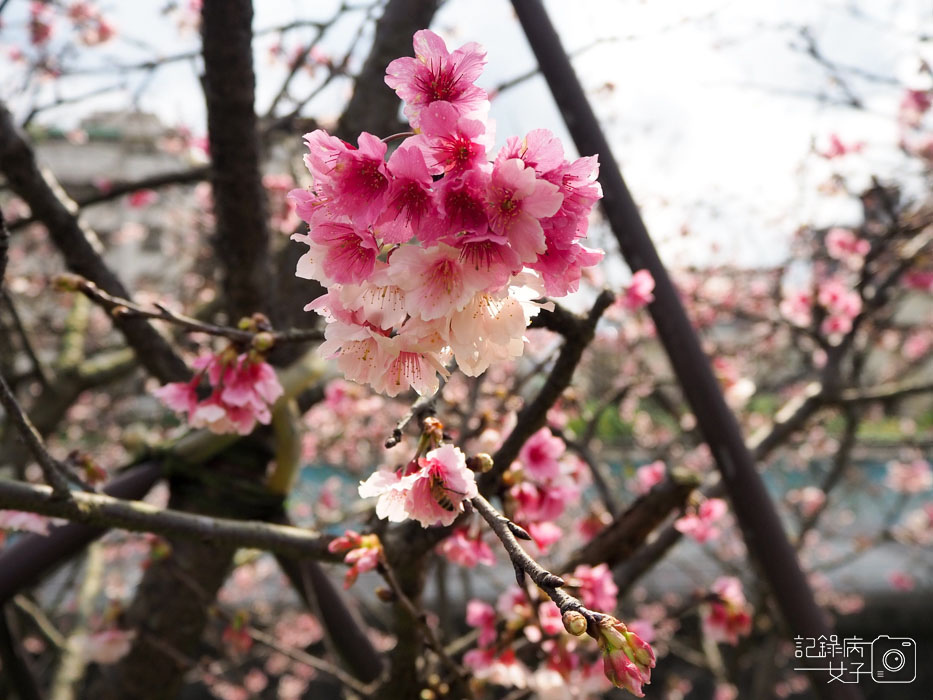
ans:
(893, 659)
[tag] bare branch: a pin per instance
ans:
(79, 246)
(242, 239)
(124, 307)
(52, 469)
(137, 516)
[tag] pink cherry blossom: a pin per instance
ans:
(435, 281)
(597, 588)
(482, 615)
(627, 659)
(797, 306)
(843, 244)
(562, 268)
(348, 254)
(540, 454)
(451, 143)
(910, 477)
(244, 389)
(648, 476)
(445, 468)
(464, 550)
(544, 533)
(413, 495)
(516, 201)
(363, 553)
(902, 581)
(730, 617)
(836, 148)
(409, 201)
(700, 525)
(435, 74)
(638, 294)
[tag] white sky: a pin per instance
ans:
(704, 112)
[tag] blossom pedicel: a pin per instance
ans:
(437, 253)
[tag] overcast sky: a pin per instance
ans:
(710, 109)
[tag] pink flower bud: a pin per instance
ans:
(627, 659)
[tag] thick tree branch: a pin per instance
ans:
(105, 511)
(23, 562)
(761, 526)
(242, 239)
(78, 246)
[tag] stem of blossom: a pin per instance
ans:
(420, 409)
(544, 579)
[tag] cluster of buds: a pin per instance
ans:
(437, 253)
(627, 658)
(363, 553)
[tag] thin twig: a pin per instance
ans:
(125, 308)
(525, 565)
(421, 408)
(53, 470)
(418, 615)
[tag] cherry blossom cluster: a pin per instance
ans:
(544, 480)
(243, 389)
(363, 553)
(437, 253)
(430, 489)
(700, 523)
(86, 17)
(729, 617)
(513, 618)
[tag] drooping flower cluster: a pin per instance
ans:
(244, 387)
(363, 552)
(545, 480)
(436, 252)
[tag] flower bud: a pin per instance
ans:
(263, 342)
(574, 623)
(627, 659)
(480, 462)
(67, 282)
(386, 595)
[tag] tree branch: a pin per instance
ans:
(242, 239)
(78, 246)
(577, 332)
(136, 516)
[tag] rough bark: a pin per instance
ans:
(174, 598)
(242, 236)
